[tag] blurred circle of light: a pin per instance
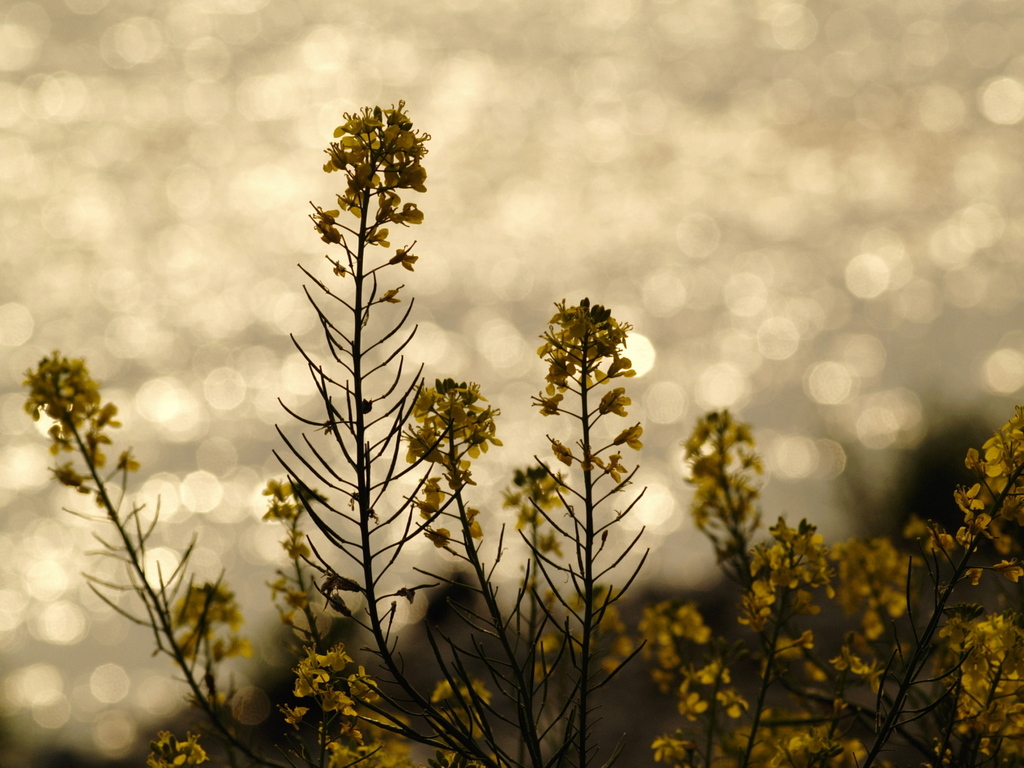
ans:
(114, 732)
(250, 705)
(793, 457)
(664, 293)
(60, 623)
(160, 563)
(919, 301)
(166, 402)
(924, 43)
(188, 190)
(1002, 101)
(201, 491)
(291, 313)
(641, 353)
(156, 693)
(721, 385)
(295, 375)
(980, 225)
(12, 608)
(778, 338)
(940, 109)
(53, 714)
(131, 42)
(160, 491)
(46, 580)
(207, 59)
(867, 275)
(16, 325)
(62, 97)
(665, 402)
(655, 510)
(887, 416)
(501, 344)
(864, 355)
(831, 458)
(109, 683)
(430, 344)
(35, 685)
(745, 294)
(697, 235)
(1003, 371)
(224, 389)
(829, 383)
(794, 27)
(325, 49)
(25, 466)
(19, 46)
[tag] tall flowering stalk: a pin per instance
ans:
(194, 624)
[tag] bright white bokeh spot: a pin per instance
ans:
(160, 492)
(159, 564)
(793, 457)
(224, 389)
(16, 325)
(166, 402)
(501, 344)
(655, 510)
(829, 383)
(46, 580)
(721, 385)
(25, 466)
(114, 732)
(1002, 101)
(665, 402)
(296, 376)
(778, 338)
(1003, 371)
(867, 275)
(61, 623)
(34, 685)
(109, 683)
(641, 353)
(201, 491)
(889, 417)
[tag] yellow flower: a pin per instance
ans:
(440, 538)
(631, 437)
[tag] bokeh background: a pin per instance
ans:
(809, 211)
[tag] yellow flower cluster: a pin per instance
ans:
(321, 676)
(675, 750)
(872, 582)
(668, 629)
(200, 613)
(537, 490)
(990, 689)
(723, 465)
(168, 752)
(379, 152)
(796, 561)
(583, 347)
(63, 390)
(451, 426)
